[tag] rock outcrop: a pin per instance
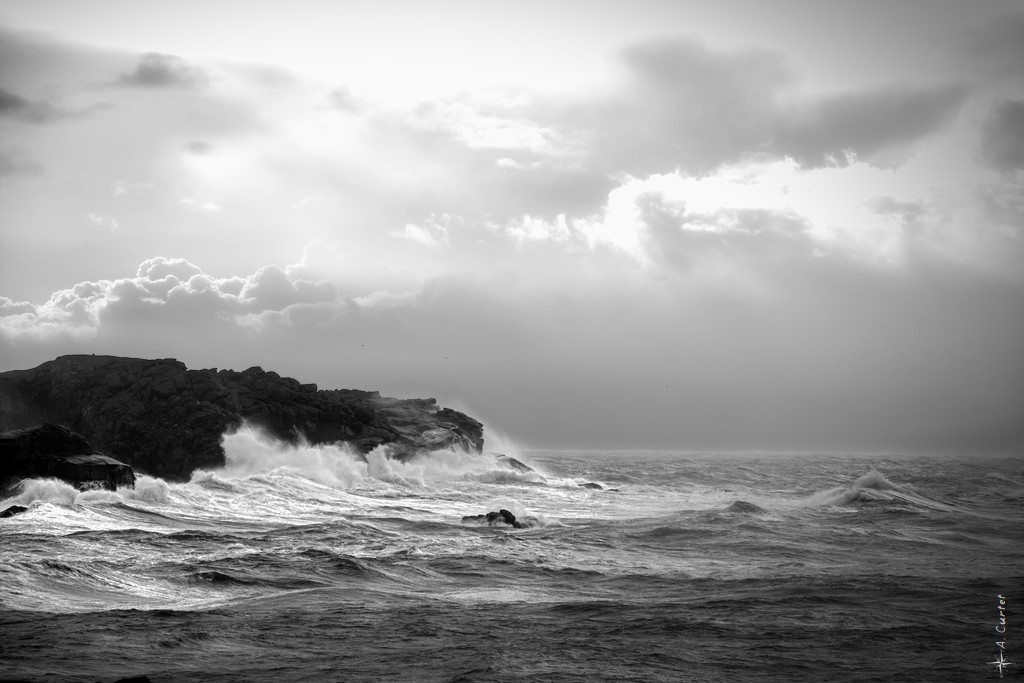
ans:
(502, 516)
(13, 510)
(164, 419)
(51, 450)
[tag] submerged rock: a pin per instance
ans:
(746, 508)
(52, 450)
(513, 463)
(594, 486)
(164, 419)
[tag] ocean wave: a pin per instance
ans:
(148, 489)
(52, 490)
(874, 488)
(252, 455)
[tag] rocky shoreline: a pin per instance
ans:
(52, 450)
(161, 418)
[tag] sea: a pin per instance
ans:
(311, 563)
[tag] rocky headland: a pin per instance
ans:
(163, 419)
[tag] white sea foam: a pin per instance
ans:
(37, 491)
(147, 489)
(249, 452)
(50, 490)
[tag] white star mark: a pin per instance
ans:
(1001, 664)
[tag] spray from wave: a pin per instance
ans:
(249, 452)
(255, 459)
(38, 491)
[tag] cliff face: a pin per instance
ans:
(164, 419)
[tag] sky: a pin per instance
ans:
(657, 224)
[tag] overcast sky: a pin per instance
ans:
(681, 225)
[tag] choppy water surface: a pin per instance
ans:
(311, 564)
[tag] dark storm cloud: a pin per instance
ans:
(684, 105)
(858, 124)
(158, 70)
(1002, 136)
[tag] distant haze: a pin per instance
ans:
(646, 225)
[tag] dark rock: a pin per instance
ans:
(592, 485)
(13, 510)
(500, 517)
(164, 419)
(51, 450)
(745, 508)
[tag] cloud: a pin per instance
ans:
(200, 147)
(687, 106)
(130, 187)
(271, 289)
(731, 243)
(11, 104)
(201, 205)
(529, 228)
(108, 222)
(11, 307)
(837, 129)
(1002, 136)
(342, 99)
(38, 112)
(996, 48)
(678, 220)
(910, 214)
(164, 291)
(161, 268)
(703, 225)
(355, 269)
(779, 346)
(17, 164)
(158, 70)
(432, 233)
(692, 107)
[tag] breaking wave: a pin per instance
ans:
(874, 487)
(49, 490)
(250, 452)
